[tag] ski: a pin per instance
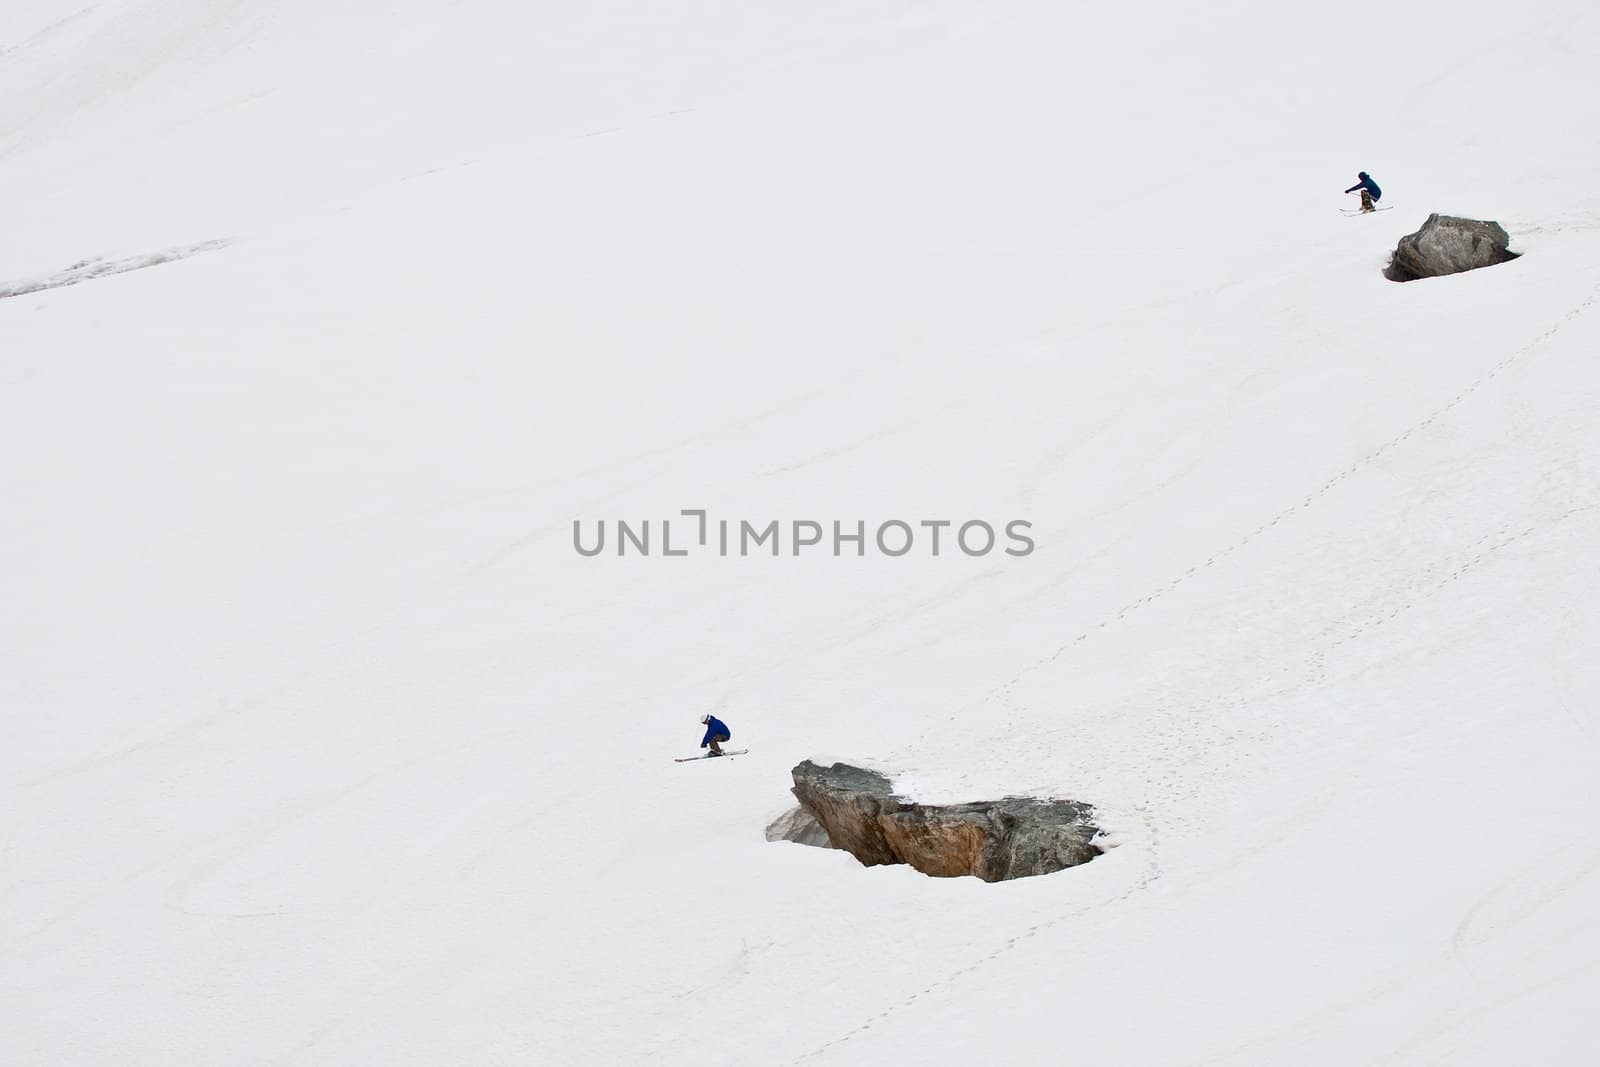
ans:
(713, 755)
(1347, 213)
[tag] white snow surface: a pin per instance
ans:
(324, 746)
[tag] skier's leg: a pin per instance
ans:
(1366, 200)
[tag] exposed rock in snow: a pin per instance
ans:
(993, 840)
(1448, 245)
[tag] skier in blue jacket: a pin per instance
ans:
(716, 732)
(1370, 193)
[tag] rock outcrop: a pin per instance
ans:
(997, 840)
(1448, 245)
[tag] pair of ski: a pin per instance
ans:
(1351, 212)
(712, 755)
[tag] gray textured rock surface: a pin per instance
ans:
(1448, 245)
(993, 840)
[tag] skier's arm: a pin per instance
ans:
(1357, 185)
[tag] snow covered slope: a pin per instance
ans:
(325, 746)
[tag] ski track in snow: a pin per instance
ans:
(92, 269)
(1151, 873)
(1314, 495)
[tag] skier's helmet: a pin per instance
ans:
(705, 718)
(1362, 175)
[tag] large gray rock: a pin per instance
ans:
(1448, 245)
(992, 840)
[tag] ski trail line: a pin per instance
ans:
(1313, 496)
(1152, 873)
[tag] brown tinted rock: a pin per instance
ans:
(993, 840)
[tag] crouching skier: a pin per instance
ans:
(1370, 193)
(716, 733)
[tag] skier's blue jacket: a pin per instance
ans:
(1368, 184)
(715, 728)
